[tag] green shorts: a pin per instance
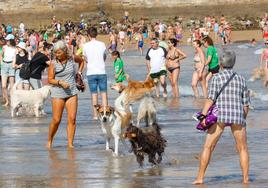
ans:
(158, 74)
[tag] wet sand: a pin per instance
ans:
(25, 162)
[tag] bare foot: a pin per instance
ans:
(70, 146)
(245, 181)
(197, 182)
(49, 145)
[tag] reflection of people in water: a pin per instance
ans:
(63, 169)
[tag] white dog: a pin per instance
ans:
(113, 124)
(34, 98)
(147, 111)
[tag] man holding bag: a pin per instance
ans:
(233, 106)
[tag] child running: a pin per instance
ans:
(119, 71)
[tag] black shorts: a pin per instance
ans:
(158, 74)
(214, 70)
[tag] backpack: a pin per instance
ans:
(25, 70)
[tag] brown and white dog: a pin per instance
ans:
(113, 124)
(146, 141)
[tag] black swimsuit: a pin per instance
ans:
(171, 69)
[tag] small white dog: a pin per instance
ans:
(147, 111)
(113, 124)
(34, 98)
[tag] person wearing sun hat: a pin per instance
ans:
(21, 58)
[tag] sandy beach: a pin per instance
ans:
(25, 162)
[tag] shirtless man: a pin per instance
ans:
(113, 41)
(140, 42)
(122, 40)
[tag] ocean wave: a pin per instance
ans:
(259, 51)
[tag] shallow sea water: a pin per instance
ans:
(25, 162)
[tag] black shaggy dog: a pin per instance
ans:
(146, 140)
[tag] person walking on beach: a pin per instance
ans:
(22, 57)
(94, 52)
(61, 75)
(39, 62)
(140, 42)
(174, 57)
(199, 73)
(156, 59)
(233, 106)
(113, 42)
(118, 70)
(7, 70)
(264, 62)
(212, 59)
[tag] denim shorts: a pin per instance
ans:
(97, 81)
(7, 69)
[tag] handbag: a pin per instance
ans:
(211, 117)
(80, 85)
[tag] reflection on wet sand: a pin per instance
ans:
(24, 161)
(63, 169)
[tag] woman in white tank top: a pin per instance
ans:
(7, 70)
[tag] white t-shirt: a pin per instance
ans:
(94, 52)
(9, 53)
(157, 58)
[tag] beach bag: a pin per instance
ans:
(211, 117)
(80, 85)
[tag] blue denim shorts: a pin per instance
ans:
(7, 69)
(97, 81)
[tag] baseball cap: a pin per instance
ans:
(9, 37)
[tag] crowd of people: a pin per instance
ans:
(77, 44)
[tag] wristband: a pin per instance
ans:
(201, 117)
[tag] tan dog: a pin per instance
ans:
(136, 90)
(113, 125)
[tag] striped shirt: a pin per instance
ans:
(66, 74)
(233, 98)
